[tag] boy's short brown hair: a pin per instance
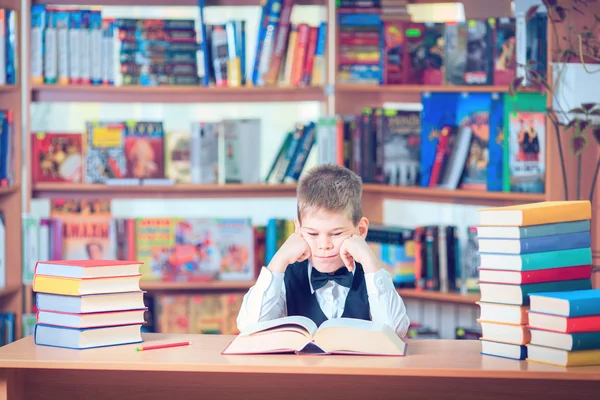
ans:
(332, 188)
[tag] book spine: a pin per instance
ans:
(310, 56)
(268, 42)
(295, 169)
(300, 54)
(281, 40)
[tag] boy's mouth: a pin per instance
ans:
(326, 257)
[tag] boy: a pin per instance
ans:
(325, 269)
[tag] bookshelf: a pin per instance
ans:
(162, 94)
(474, 197)
(11, 197)
(339, 98)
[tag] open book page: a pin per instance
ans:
(352, 336)
(296, 323)
(352, 323)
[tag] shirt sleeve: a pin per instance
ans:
(385, 303)
(264, 301)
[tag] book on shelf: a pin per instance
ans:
(300, 335)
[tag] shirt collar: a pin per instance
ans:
(310, 267)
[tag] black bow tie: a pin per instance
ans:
(342, 276)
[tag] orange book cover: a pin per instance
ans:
(546, 212)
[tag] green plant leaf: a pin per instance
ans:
(588, 106)
(578, 144)
(596, 133)
(583, 125)
(578, 10)
(531, 13)
(573, 122)
(514, 85)
(595, 112)
(577, 110)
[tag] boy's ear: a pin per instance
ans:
(297, 225)
(363, 227)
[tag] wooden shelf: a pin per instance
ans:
(9, 290)
(165, 2)
(455, 298)
(452, 196)
(173, 94)
(418, 88)
(9, 190)
(8, 88)
(193, 286)
(59, 190)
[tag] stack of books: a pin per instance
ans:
(565, 328)
(85, 304)
(523, 250)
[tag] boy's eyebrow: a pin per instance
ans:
(340, 228)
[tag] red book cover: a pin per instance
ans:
(310, 55)
(144, 150)
(56, 157)
(394, 42)
(442, 153)
(300, 54)
(549, 275)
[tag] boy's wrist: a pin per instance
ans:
(276, 265)
(371, 265)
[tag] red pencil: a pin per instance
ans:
(163, 346)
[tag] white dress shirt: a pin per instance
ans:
(266, 300)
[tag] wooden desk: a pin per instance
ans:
(432, 369)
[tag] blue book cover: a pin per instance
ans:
(542, 244)
(203, 52)
(439, 110)
(270, 240)
(581, 303)
(69, 338)
(496, 349)
(495, 177)
(558, 286)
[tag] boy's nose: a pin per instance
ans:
(325, 245)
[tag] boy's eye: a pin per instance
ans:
(313, 234)
(336, 234)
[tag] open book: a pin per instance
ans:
(297, 334)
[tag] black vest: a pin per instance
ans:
(300, 301)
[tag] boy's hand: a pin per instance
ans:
(356, 249)
(295, 249)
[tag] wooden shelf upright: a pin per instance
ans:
(10, 197)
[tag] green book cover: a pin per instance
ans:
(520, 102)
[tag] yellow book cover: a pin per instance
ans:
(563, 358)
(547, 212)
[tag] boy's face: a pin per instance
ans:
(325, 231)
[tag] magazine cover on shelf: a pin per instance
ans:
(56, 157)
(235, 244)
(144, 150)
(527, 144)
(474, 112)
(178, 156)
(105, 154)
(401, 147)
(174, 249)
